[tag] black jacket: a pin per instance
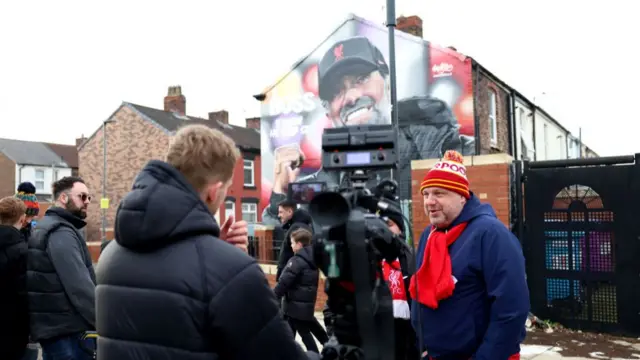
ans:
(14, 312)
(169, 288)
(300, 218)
(299, 285)
(60, 277)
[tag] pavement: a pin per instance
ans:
(528, 352)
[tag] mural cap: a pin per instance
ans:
(354, 56)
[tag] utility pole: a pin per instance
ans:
(391, 26)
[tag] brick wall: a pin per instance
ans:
(7, 176)
(489, 180)
(485, 85)
(131, 143)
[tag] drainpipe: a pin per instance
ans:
(513, 145)
(533, 121)
(476, 117)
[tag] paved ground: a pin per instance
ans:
(529, 352)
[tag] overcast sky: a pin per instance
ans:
(67, 65)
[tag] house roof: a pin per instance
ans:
(30, 153)
(245, 138)
(68, 153)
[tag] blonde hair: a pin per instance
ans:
(203, 155)
(11, 210)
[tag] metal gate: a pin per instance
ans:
(581, 240)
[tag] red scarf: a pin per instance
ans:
(436, 279)
(393, 277)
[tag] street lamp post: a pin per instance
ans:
(391, 26)
(104, 179)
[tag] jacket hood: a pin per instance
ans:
(425, 110)
(162, 208)
(301, 216)
(306, 253)
(473, 209)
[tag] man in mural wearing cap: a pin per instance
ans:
(470, 295)
(354, 87)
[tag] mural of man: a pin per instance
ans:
(353, 79)
(354, 88)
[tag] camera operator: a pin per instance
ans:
(470, 294)
(172, 285)
(398, 275)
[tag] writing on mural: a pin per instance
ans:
(442, 69)
(287, 127)
(302, 104)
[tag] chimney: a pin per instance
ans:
(174, 101)
(222, 116)
(253, 123)
(80, 140)
(411, 25)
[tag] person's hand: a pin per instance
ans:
(284, 173)
(235, 233)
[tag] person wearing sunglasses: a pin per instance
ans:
(60, 280)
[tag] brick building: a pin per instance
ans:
(136, 134)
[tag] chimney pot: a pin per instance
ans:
(174, 101)
(222, 116)
(253, 123)
(80, 140)
(410, 24)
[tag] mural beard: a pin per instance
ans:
(380, 112)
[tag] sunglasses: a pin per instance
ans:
(83, 197)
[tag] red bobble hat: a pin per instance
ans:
(449, 173)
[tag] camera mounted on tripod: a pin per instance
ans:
(353, 240)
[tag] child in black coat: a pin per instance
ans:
(14, 312)
(298, 284)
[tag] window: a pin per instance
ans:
(523, 124)
(229, 209)
(56, 175)
(493, 126)
(250, 212)
(249, 173)
(39, 180)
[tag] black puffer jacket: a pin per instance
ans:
(300, 218)
(168, 288)
(14, 312)
(299, 285)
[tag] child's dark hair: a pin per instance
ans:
(302, 236)
(11, 210)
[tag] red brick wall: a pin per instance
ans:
(490, 182)
(7, 176)
(131, 143)
(485, 85)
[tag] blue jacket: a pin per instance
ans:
(484, 318)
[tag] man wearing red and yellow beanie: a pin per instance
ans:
(470, 291)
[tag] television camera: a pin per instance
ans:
(353, 240)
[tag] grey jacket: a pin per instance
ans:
(60, 277)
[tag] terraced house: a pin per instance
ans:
(136, 134)
(36, 162)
